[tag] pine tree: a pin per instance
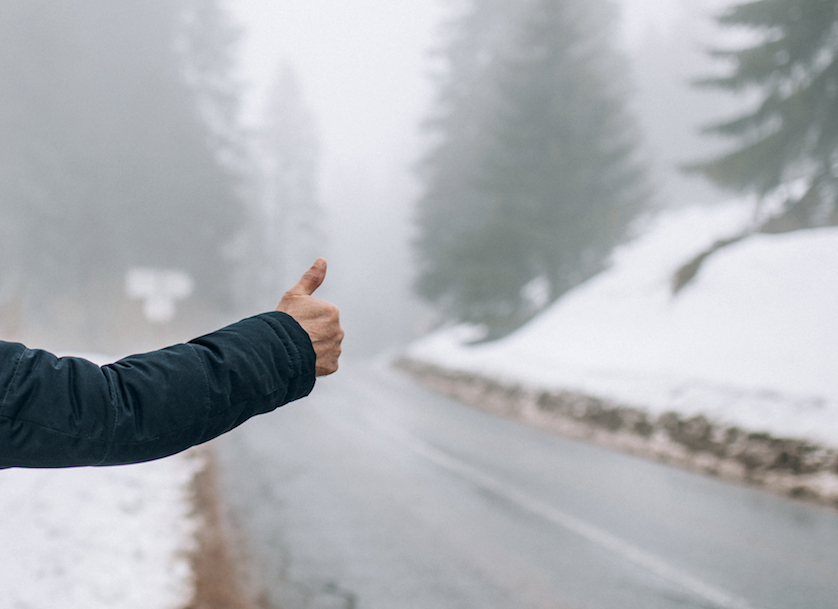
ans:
(553, 178)
(451, 204)
(788, 144)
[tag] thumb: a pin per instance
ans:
(311, 279)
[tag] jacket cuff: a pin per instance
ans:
(299, 350)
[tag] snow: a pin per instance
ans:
(90, 538)
(751, 341)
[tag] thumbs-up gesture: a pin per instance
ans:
(321, 320)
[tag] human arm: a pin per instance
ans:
(59, 412)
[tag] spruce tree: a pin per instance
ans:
(553, 180)
(788, 143)
(451, 204)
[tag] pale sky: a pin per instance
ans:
(361, 66)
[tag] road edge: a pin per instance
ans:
(217, 572)
(788, 466)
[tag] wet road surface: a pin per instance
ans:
(377, 494)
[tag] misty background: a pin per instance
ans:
(167, 166)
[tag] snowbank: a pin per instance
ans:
(752, 341)
(91, 538)
(97, 537)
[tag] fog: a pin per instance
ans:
(514, 198)
(363, 86)
(365, 69)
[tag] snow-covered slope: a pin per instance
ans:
(751, 341)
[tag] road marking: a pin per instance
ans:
(658, 566)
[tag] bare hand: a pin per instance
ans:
(321, 320)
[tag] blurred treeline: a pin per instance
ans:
(538, 167)
(120, 149)
(115, 125)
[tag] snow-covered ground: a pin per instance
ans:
(98, 538)
(752, 341)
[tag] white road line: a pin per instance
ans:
(652, 563)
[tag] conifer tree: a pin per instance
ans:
(450, 204)
(553, 180)
(788, 144)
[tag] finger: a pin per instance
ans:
(311, 279)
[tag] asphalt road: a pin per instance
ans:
(377, 494)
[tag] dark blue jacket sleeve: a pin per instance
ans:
(61, 412)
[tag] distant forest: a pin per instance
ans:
(539, 168)
(117, 148)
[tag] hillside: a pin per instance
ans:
(751, 342)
